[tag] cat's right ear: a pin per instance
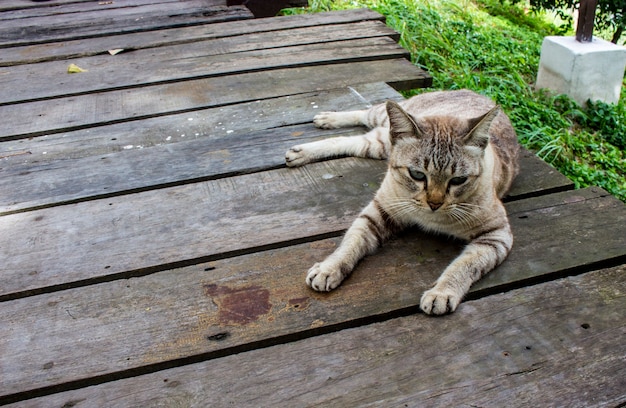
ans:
(401, 124)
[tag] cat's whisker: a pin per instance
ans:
(464, 213)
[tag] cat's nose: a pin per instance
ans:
(434, 205)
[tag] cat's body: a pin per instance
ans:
(451, 159)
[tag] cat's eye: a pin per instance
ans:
(457, 181)
(417, 175)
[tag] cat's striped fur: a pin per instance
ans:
(452, 157)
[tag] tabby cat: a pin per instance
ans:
(452, 156)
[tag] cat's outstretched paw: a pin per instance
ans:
(327, 120)
(439, 301)
(324, 278)
(297, 156)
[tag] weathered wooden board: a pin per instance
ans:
(233, 304)
(555, 344)
(36, 30)
(184, 62)
(245, 117)
(206, 144)
(536, 178)
(37, 4)
(196, 221)
(82, 111)
(11, 9)
(355, 21)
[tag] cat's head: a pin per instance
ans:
(438, 160)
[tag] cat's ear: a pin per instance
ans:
(479, 135)
(401, 124)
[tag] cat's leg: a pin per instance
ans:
(374, 144)
(334, 120)
(479, 257)
(372, 227)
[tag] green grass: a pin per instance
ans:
(494, 48)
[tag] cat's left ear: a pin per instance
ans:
(479, 135)
(401, 124)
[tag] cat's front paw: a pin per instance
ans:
(440, 301)
(297, 156)
(326, 120)
(324, 278)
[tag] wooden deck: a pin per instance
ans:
(153, 245)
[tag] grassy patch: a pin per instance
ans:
(493, 48)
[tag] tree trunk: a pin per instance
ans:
(617, 34)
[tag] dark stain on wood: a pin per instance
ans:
(299, 303)
(239, 306)
(219, 336)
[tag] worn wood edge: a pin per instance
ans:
(217, 121)
(47, 8)
(98, 26)
(252, 24)
(105, 73)
(184, 35)
(12, 5)
(184, 99)
(281, 276)
(536, 178)
(509, 359)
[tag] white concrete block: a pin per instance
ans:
(583, 71)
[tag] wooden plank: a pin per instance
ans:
(185, 62)
(8, 5)
(557, 344)
(536, 178)
(248, 117)
(80, 48)
(165, 150)
(44, 29)
(205, 220)
(212, 46)
(73, 7)
(229, 305)
(82, 111)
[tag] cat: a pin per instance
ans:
(452, 156)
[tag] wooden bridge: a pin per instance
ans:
(153, 245)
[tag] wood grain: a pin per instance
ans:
(14, 9)
(84, 111)
(35, 6)
(259, 299)
(236, 35)
(55, 27)
(178, 63)
(257, 115)
(208, 144)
